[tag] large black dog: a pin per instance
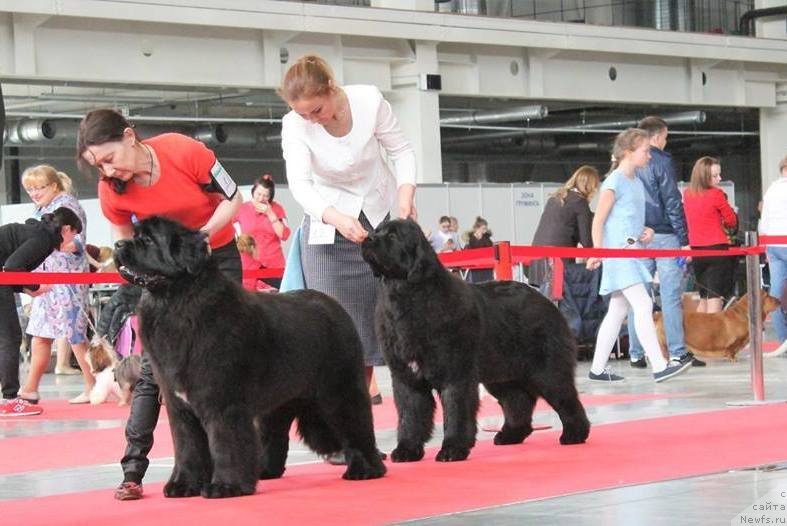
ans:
(237, 368)
(438, 332)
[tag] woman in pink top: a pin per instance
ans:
(707, 211)
(265, 220)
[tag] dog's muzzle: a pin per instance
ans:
(147, 282)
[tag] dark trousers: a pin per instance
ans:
(145, 405)
(10, 340)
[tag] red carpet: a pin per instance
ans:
(674, 447)
(105, 446)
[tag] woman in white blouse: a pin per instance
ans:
(333, 142)
(774, 222)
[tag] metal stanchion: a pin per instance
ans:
(753, 286)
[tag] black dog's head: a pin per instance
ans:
(161, 252)
(398, 249)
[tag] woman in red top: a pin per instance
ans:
(707, 210)
(171, 175)
(265, 220)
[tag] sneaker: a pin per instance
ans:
(642, 363)
(781, 349)
(696, 362)
(128, 491)
(19, 407)
(606, 376)
(674, 368)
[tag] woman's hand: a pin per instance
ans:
(261, 207)
(592, 263)
(647, 235)
(406, 197)
(351, 228)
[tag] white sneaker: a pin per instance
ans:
(781, 349)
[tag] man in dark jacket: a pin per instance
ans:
(664, 214)
(23, 247)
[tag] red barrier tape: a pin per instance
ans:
(89, 278)
(772, 240)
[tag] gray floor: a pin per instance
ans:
(710, 499)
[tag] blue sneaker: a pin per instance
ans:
(674, 368)
(606, 376)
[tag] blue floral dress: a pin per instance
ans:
(626, 220)
(60, 313)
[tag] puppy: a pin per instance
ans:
(237, 368)
(438, 332)
(720, 334)
(113, 377)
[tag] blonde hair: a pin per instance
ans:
(310, 76)
(585, 180)
(246, 244)
(783, 164)
(626, 141)
(701, 174)
(48, 175)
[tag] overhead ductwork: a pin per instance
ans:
(681, 118)
(210, 134)
(524, 113)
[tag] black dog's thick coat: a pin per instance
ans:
(236, 368)
(438, 332)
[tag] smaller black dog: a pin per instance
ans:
(236, 368)
(438, 332)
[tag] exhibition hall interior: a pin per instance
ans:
(497, 106)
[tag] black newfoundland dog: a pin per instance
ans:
(438, 332)
(236, 368)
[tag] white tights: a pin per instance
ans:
(638, 298)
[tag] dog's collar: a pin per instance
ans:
(147, 282)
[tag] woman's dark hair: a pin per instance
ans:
(99, 127)
(266, 181)
(58, 219)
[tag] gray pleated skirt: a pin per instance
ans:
(339, 271)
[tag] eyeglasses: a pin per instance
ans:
(35, 189)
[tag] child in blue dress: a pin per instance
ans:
(619, 222)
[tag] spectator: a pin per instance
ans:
(707, 211)
(23, 247)
(620, 222)
(444, 240)
(566, 219)
(249, 261)
(169, 175)
(774, 223)
(265, 220)
(61, 313)
(332, 141)
(664, 215)
(454, 229)
(480, 237)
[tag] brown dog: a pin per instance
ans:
(720, 334)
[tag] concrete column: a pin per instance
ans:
(773, 130)
(418, 111)
(773, 121)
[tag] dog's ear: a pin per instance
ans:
(195, 252)
(423, 263)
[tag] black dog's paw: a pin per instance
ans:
(222, 490)
(267, 474)
(576, 435)
(452, 454)
(405, 454)
(359, 468)
(178, 489)
(508, 436)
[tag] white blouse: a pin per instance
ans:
(774, 209)
(348, 173)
